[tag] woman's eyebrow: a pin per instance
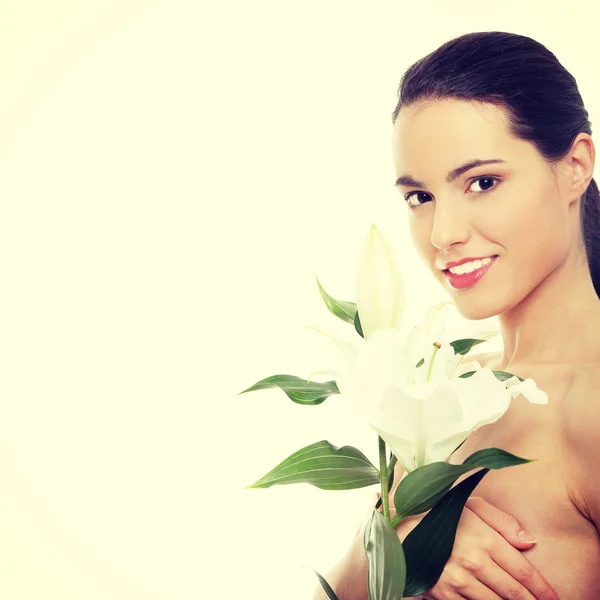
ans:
(408, 181)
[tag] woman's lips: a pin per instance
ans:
(468, 279)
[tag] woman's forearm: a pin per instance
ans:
(348, 578)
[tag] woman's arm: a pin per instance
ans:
(348, 578)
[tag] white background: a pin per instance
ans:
(172, 176)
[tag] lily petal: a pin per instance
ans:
(397, 411)
(467, 405)
(483, 397)
(379, 364)
(436, 321)
(347, 349)
(398, 420)
(380, 292)
(402, 449)
(443, 412)
(330, 372)
(441, 451)
(527, 388)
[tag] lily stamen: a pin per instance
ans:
(437, 346)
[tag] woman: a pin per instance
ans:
(494, 158)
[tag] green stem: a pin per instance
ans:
(396, 521)
(390, 469)
(383, 476)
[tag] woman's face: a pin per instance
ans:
(510, 210)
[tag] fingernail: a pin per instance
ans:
(524, 536)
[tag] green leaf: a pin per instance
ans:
(495, 458)
(501, 375)
(330, 593)
(467, 374)
(463, 346)
(299, 390)
(429, 545)
(423, 487)
(390, 470)
(325, 466)
(358, 326)
(387, 565)
(340, 308)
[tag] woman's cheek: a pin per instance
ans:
(420, 231)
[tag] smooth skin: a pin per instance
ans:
(488, 545)
(525, 212)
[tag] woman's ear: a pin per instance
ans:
(580, 160)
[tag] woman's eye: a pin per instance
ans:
(487, 186)
(419, 196)
(486, 183)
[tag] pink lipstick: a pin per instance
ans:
(468, 279)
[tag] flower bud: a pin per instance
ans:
(380, 293)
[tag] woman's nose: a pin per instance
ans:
(450, 225)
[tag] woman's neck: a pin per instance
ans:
(557, 323)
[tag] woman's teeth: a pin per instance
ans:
(470, 266)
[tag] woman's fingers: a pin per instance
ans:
(514, 566)
(494, 577)
(479, 591)
(480, 579)
(471, 589)
(511, 560)
(506, 525)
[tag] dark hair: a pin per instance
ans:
(540, 97)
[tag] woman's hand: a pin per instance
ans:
(485, 563)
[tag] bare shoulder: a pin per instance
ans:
(581, 407)
(580, 420)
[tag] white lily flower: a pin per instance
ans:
(425, 423)
(379, 292)
(425, 418)
(423, 413)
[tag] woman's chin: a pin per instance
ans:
(475, 310)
